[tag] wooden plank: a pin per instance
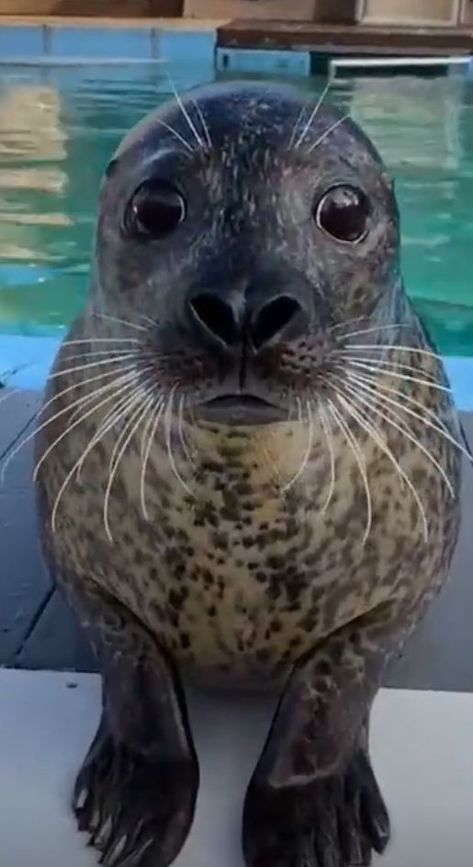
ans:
(103, 9)
(338, 39)
(298, 10)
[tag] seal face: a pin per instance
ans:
(249, 466)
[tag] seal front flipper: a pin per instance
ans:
(136, 791)
(313, 800)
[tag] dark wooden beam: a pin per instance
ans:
(339, 39)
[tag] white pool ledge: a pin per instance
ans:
(422, 750)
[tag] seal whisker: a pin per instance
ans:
(310, 442)
(372, 401)
(82, 382)
(155, 419)
(374, 329)
(413, 350)
(135, 402)
(90, 364)
(312, 116)
(168, 434)
(380, 363)
(79, 402)
(131, 428)
(187, 451)
(436, 425)
(176, 134)
(347, 323)
(203, 122)
(371, 379)
(108, 353)
(77, 467)
(122, 381)
(328, 132)
(82, 340)
(326, 427)
(119, 321)
(113, 416)
(184, 111)
(373, 430)
(360, 460)
(406, 377)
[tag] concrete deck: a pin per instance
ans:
(37, 630)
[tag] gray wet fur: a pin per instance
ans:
(261, 552)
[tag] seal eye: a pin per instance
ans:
(155, 210)
(343, 214)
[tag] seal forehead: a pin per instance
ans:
(249, 117)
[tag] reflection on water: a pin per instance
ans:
(58, 129)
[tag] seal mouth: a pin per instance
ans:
(244, 409)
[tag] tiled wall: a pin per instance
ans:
(48, 43)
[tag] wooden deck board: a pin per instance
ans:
(339, 39)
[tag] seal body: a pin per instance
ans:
(249, 464)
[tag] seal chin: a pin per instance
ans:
(240, 409)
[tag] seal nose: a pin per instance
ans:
(225, 324)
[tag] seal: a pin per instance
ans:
(248, 467)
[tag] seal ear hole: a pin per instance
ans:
(154, 211)
(343, 213)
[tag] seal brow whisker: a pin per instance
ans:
(327, 429)
(168, 434)
(79, 402)
(184, 111)
(374, 432)
(310, 441)
(112, 387)
(103, 430)
(176, 134)
(436, 425)
(131, 428)
(155, 419)
(406, 377)
(203, 122)
(312, 116)
(360, 460)
(373, 402)
(328, 132)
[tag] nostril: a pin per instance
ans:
(216, 317)
(273, 318)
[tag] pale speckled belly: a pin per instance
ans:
(238, 579)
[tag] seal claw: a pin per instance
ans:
(336, 821)
(136, 810)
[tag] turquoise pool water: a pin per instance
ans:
(58, 127)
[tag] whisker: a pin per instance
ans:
(119, 321)
(396, 348)
(90, 364)
(185, 112)
(328, 132)
(155, 419)
(80, 401)
(77, 467)
(347, 323)
(361, 463)
(372, 402)
(374, 329)
(118, 411)
(312, 115)
(404, 376)
(82, 340)
(374, 432)
(136, 398)
(80, 383)
(180, 426)
(168, 433)
(439, 428)
(203, 122)
(108, 353)
(176, 134)
(327, 431)
(132, 427)
(380, 363)
(310, 442)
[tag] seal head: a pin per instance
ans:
(249, 231)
